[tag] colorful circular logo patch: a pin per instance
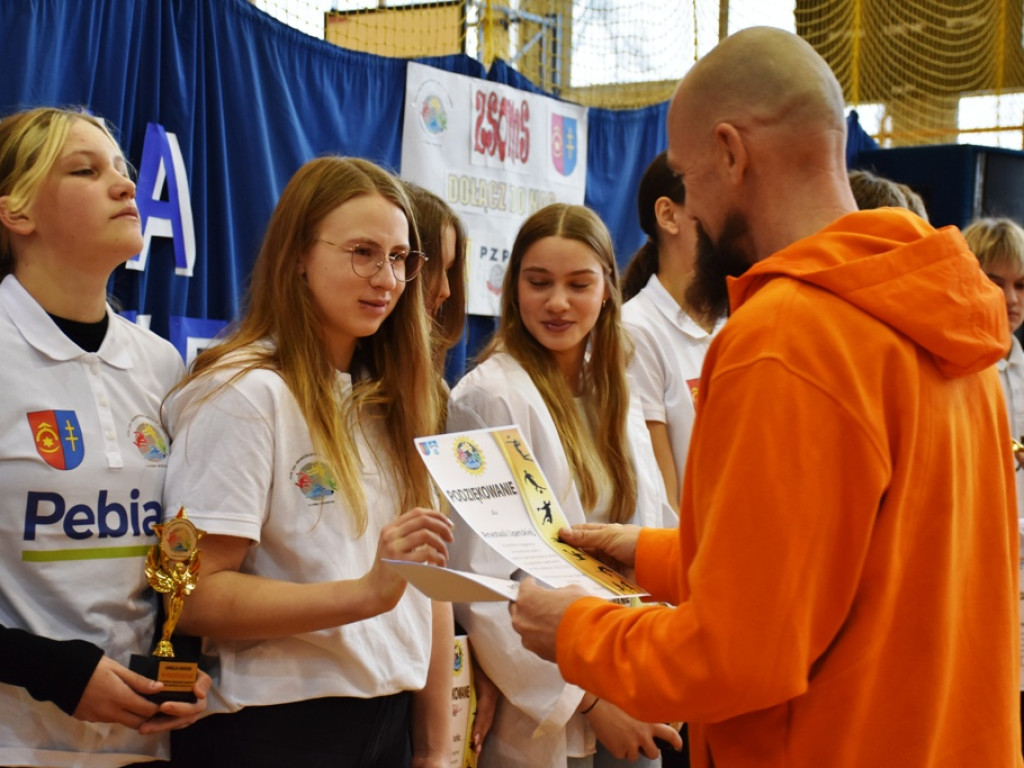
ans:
(469, 455)
(315, 482)
(148, 439)
(433, 115)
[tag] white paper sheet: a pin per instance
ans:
(452, 586)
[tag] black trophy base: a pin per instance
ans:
(177, 675)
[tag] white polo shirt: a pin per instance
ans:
(669, 352)
(82, 463)
(244, 466)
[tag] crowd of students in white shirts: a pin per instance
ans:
(290, 443)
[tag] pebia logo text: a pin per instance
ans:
(108, 519)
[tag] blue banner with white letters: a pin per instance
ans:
(218, 104)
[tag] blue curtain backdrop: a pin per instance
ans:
(251, 99)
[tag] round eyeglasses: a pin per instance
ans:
(368, 259)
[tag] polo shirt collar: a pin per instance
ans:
(667, 306)
(1015, 358)
(39, 330)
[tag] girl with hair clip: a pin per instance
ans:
(80, 496)
(669, 335)
(999, 245)
(297, 459)
(557, 368)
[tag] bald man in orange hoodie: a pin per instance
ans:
(843, 581)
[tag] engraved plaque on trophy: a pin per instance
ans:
(172, 569)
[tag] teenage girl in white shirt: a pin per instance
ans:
(557, 368)
(670, 334)
(79, 495)
(297, 458)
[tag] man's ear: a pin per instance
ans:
(733, 150)
(19, 223)
(665, 213)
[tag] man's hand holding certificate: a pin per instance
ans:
(492, 481)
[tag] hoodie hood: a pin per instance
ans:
(924, 283)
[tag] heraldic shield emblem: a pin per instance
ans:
(564, 145)
(58, 438)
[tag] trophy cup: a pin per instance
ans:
(172, 569)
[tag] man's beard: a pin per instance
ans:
(708, 293)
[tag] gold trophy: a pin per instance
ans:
(172, 569)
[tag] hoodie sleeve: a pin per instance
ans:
(659, 563)
(775, 530)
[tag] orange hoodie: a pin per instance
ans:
(844, 573)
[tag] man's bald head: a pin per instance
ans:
(756, 130)
(765, 77)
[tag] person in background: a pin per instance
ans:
(843, 582)
(669, 337)
(873, 191)
(999, 245)
(443, 239)
(297, 458)
(82, 455)
(557, 368)
(915, 202)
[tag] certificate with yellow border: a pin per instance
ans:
(490, 478)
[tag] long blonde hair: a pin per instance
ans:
(603, 377)
(30, 143)
(399, 388)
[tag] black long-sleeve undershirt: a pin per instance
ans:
(50, 670)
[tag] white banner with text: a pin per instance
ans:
(495, 154)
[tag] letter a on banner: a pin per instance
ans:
(162, 163)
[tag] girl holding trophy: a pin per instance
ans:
(82, 490)
(294, 452)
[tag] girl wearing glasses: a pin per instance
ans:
(557, 368)
(78, 383)
(297, 459)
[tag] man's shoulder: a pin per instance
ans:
(810, 330)
(788, 308)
